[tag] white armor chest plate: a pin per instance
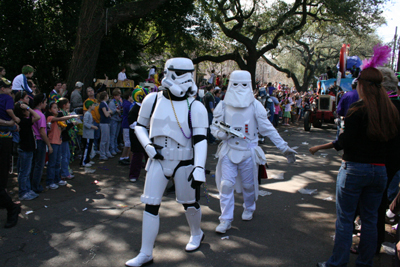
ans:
(244, 121)
(163, 122)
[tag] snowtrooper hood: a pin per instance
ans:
(179, 78)
(239, 93)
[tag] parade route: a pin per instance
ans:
(89, 223)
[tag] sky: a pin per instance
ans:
(391, 13)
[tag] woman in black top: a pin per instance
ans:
(370, 126)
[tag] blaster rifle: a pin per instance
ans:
(228, 129)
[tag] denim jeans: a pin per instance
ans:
(115, 127)
(24, 171)
(364, 184)
(54, 165)
(39, 160)
(105, 139)
(65, 157)
(393, 187)
(211, 138)
(97, 134)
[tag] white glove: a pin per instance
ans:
(152, 152)
(222, 135)
(290, 155)
(197, 176)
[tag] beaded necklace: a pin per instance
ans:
(176, 117)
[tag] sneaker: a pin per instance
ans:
(86, 165)
(123, 162)
(33, 193)
(109, 155)
(69, 177)
(92, 162)
(103, 158)
(27, 196)
(52, 186)
(62, 183)
(118, 151)
(223, 227)
(321, 264)
(247, 215)
(133, 180)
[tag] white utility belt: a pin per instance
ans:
(177, 153)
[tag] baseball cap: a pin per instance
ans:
(78, 84)
(5, 83)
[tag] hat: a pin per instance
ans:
(217, 88)
(5, 83)
(78, 84)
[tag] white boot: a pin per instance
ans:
(151, 224)
(193, 217)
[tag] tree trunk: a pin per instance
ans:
(91, 30)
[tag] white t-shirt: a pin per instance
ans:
(121, 76)
(18, 84)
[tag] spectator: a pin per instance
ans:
(88, 133)
(126, 107)
(137, 149)
(209, 102)
(122, 75)
(64, 106)
(212, 78)
(329, 73)
(20, 82)
(370, 125)
(55, 94)
(95, 114)
(116, 119)
(26, 148)
(76, 97)
(105, 119)
(40, 131)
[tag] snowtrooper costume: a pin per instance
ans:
(177, 148)
(239, 157)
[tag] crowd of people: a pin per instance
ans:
(39, 129)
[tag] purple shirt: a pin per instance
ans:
(126, 106)
(6, 102)
(345, 102)
(39, 124)
(271, 90)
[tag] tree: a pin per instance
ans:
(255, 30)
(307, 54)
(94, 21)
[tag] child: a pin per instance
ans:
(42, 141)
(7, 106)
(26, 148)
(126, 107)
(64, 105)
(115, 123)
(54, 166)
(88, 134)
(287, 115)
(105, 118)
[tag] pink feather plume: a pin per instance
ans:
(380, 57)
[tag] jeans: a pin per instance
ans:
(97, 134)
(39, 160)
(211, 138)
(364, 184)
(115, 127)
(393, 187)
(24, 171)
(54, 166)
(65, 157)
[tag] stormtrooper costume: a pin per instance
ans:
(177, 148)
(238, 157)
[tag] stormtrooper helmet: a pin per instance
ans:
(178, 77)
(239, 93)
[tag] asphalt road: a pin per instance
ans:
(99, 224)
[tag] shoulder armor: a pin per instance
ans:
(147, 105)
(199, 115)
